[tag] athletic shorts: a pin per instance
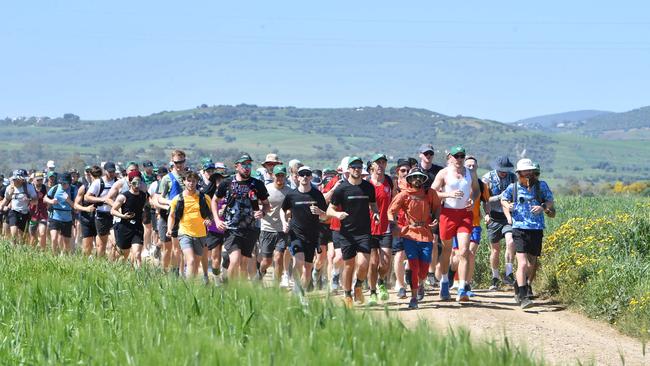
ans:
(398, 245)
(305, 247)
(418, 250)
(476, 235)
(65, 228)
(336, 239)
(454, 221)
(162, 229)
(324, 235)
(497, 230)
(214, 240)
(154, 220)
(17, 219)
(127, 235)
(190, 242)
(88, 227)
(242, 240)
(270, 242)
(528, 241)
(353, 244)
(146, 218)
(33, 225)
(103, 223)
(381, 241)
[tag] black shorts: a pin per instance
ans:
(528, 241)
(103, 223)
(336, 239)
(324, 235)
(497, 230)
(381, 241)
(146, 218)
(214, 240)
(305, 247)
(65, 228)
(20, 220)
(88, 228)
(353, 244)
(271, 242)
(154, 220)
(398, 246)
(242, 240)
(127, 235)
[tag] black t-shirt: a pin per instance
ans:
(207, 189)
(304, 225)
(242, 200)
(431, 173)
(134, 203)
(354, 200)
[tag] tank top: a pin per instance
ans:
(134, 203)
(452, 184)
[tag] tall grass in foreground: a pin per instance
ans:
(67, 310)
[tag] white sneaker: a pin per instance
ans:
(284, 280)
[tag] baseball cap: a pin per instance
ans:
(279, 169)
(38, 175)
(456, 149)
(426, 147)
(503, 164)
(304, 168)
(65, 178)
(134, 174)
(403, 162)
(110, 167)
(50, 164)
(316, 176)
(162, 170)
(208, 164)
(244, 158)
(355, 159)
(52, 174)
(378, 157)
(147, 164)
(344, 163)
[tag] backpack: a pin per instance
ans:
(206, 213)
(175, 188)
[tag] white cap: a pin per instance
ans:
(303, 168)
(525, 164)
(50, 164)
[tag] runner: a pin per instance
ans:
(418, 207)
(459, 188)
(215, 235)
(169, 187)
(155, 210)
(335, 256)
(148, 177)
(302, 209)
(61, 200)
(403, 168)
(74, 174)
(498, 228)
(265, 173)
(524, 204)
(381, 241)
(87, 211)
(3, 213)
(354, 196)
(97, 194)
(38, 223)
(129, 209)
(18, 196)
(273, 238)
(243, 195)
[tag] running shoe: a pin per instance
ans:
(529, 292)
(495, 284)
(401, 293)
(335, 282)
(517, 299)
(431, 279)
(413, 304)
(310, 286)
(284, 280)
(156, 253)
(347, 301)
(373, 300)
(319, 281)
(468, 290)
(444, 291)
(358, 295)
(462, 295)
(526, 303)
(259, 276)
(383, 293)
(420, 293)
(509, 280)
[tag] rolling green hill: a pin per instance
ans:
(319, 136)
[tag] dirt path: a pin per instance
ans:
(548, 329)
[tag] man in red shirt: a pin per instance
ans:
(335, 257)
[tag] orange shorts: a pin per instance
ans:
(453, 221)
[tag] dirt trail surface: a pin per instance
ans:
(548, 329)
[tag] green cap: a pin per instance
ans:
(537, 168)
(244, 158)
(52, 174)
(456, 149)
(378, 157)
(354, 159)
(206, 161)
(279, 169)
(329, 170)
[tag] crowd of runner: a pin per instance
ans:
(359, 228)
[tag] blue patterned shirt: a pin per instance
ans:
(522, 217)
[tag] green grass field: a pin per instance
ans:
(68, 310)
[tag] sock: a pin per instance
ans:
(508, 269)
(431, 274)
(445, 278)
(380, 281)
(522, 292)
(335, 271)
(461, 285)
(359, 283)
(348, 293)
(373, 292)
(495, 273)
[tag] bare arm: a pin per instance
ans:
(439, 183)
(115, 190)
(117, 205)
(285, 216)
(331, 211)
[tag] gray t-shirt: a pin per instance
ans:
(271, 222)
(94, 190)
(19, 198)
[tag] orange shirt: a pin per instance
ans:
(485, 196)
(418, 209)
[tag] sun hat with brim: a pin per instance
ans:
(272, 158)
(416, 172)
(456, 150)
(343, 166)
(279, 169)
(378, 157)
(355, 159)
(39, 175)
(244, 158)
(503, 164)
(525, 164)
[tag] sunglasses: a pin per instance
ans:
(459, 156)
(427, 153)
(246, 165)
(304, 174)
(403, 170)
(179, 162)
(356, 166)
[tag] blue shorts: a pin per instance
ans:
(475, 237)
(417, 250)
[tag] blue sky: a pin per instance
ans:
(501, 60)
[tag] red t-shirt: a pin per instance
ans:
(335, 224)
(383, 196)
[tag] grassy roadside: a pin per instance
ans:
(65, 310)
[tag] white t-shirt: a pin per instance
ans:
(94, 190)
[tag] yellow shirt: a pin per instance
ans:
(191, 223)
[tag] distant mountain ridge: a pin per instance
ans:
(558, 121)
